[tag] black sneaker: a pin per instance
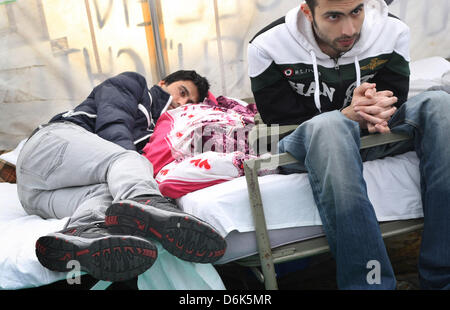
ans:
(101, 254)
(181, 234)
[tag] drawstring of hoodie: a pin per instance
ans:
(358, 72)
(316, 79)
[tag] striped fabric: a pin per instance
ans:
(7, 171)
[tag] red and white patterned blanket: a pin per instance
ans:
(199, 145)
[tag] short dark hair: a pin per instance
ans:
(190, 75)
(312, 5)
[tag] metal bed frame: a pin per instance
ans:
(267, 257)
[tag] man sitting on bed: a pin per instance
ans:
(339, 69)
(85, 163)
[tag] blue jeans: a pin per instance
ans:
(327, 147)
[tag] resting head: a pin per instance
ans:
(337, 24)
(185, 86)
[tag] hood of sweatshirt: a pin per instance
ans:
(376, 14)
(300, 28)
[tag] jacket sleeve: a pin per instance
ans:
(395, 75)
(387, 79)
(275, 99)
(117, 102)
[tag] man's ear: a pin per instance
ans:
(161, 83)
(306, 11)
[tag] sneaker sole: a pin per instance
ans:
(111, 258)
(182, 235)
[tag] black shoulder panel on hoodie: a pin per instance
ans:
(279, 21)
(393, 16)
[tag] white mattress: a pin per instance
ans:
(428, 72)
(393, 185)
(20, 268)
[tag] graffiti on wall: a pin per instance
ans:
(222, 50)
(72, 45)
(226, 46)
(96, 67)
(432, 15)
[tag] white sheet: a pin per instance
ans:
(226, 206)
(393, 185)
(19, 267)
(11, 157)
(428, 72)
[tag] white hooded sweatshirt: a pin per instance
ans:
(286, 64)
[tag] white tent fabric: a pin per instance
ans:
(53, 52)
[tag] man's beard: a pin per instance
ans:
(334, 44)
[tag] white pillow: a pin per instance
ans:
(428, 72)
(11, 157)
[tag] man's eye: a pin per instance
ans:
(357, 11)
(333, 17)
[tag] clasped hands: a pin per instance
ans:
(372, 109)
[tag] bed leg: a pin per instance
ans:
(262, 237)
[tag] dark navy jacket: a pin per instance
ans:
(121, 110)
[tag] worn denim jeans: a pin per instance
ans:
(65, 171)
(327, 147)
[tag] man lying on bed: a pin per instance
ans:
(86, 163)
(306, 69)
